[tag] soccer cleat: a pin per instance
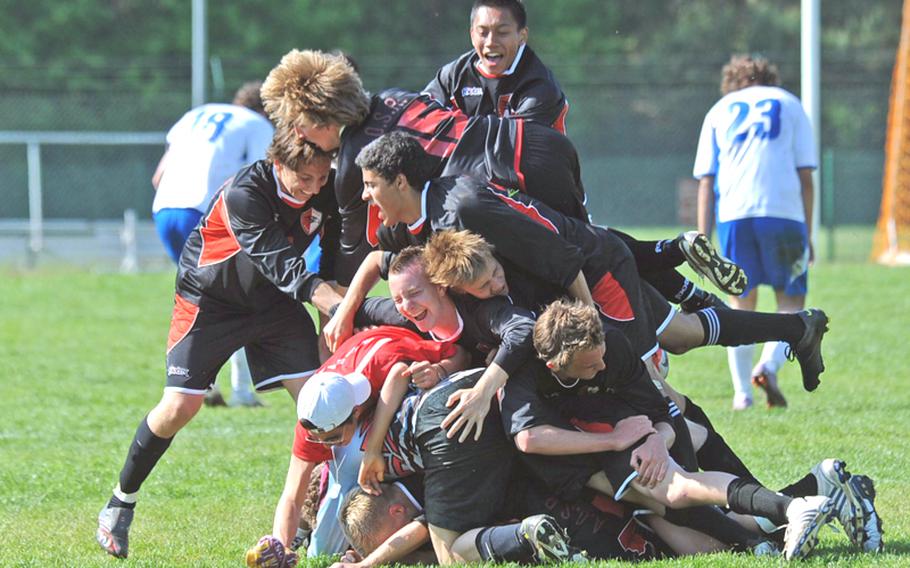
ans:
(705, 260)
(114, 530)
(805, 516)
(547, 538)
(870, 537)
(767, 381)
(809, 349)
(833, 481)
(701, 299)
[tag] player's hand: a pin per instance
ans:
(339, 328)
(424, 375)
(372, 472)
(350, 559)
(651, 461)
(269, 552)
(471, 407)
(630, 430)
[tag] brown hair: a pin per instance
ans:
(313, 88)
(248, 95)
(406, 258)
(287, 150)
(746, 70)
(456, 258)
(565, 328)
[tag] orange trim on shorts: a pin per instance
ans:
(182, 320)
(612, 299)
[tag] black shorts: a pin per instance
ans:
(595, 523)
(280, 343)
(465, 484)
(662, 312)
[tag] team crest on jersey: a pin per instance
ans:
(502, 106)
(310, 220)
(472, 92)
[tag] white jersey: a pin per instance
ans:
(754, 140)
(207, 146)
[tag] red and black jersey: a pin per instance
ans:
(248, 249)
(371, 353)
(527, 90)
(499, 151)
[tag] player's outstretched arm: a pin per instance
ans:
(372, 468)
(553, 441)
(403, 542)
(341, 326)
(287, 513)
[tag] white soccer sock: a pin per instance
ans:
(740, 361)
(773, 355)
(240, 374)
(125, 497)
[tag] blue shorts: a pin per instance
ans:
(772, 251)
(174, 227)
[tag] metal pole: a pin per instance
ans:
(35, 209)
(199, 52)
(810, 77)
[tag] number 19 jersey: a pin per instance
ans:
(754, 140)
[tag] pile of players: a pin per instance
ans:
(509, 401)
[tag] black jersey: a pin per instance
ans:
(248, 249)
(535, 397)
(528, 90)
(495, 150)
(484, 326)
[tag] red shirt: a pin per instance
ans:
(371, 353)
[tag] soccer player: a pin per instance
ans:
(541, 255)
(241, 282)
(208, 145)
(573, 344)
(357, 369)
(502, 75)
(754, 163)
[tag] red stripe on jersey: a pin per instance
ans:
(526, 210)
(422, 119)
(373, 223)
(182, 319)
(519, 135)
(560, 122)
(612, 299)
(607, 505)
(598, 427)
(218, 240)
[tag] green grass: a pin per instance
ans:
(83, 357)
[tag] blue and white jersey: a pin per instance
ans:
(754, 140)
(207, 146)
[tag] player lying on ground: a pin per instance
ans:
(318, 94)
(241, 282)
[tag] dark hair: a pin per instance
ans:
(517, 8)
(248, 95)
(745, 70)
(396, 153)
(287, 150)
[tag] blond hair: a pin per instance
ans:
(361, 514)
(565, 328)
(313, 88)
(456, 258)
(746, 70)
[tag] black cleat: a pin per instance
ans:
(809, 349)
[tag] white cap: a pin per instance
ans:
(327, 399)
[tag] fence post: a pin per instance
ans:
(828, 200)
(35, 207)
(130, 262)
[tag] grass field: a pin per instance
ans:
(82, 358)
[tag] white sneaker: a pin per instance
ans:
(854, 503)
(871, 535)
(805, 516)
(742, 402)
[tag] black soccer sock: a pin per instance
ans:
(504, 544)
(652, 256)
(711, 521)
(742, 327)
(749, 498)
(805, 487)
(144, 453)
